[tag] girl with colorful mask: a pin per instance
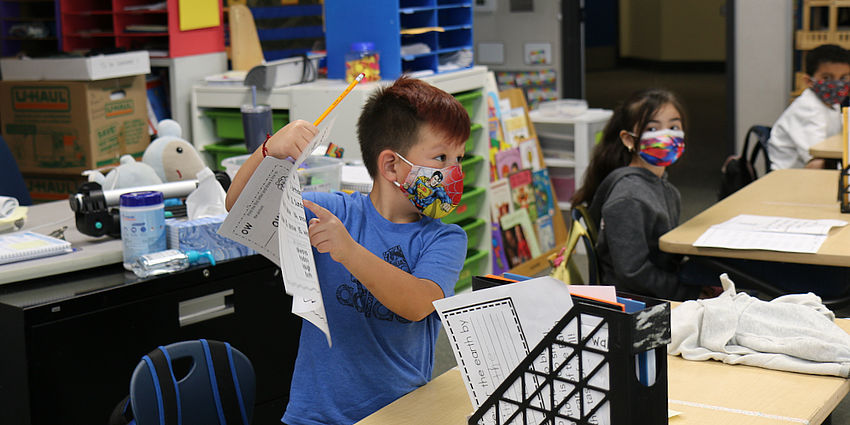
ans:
(816, 114)
(630, 199)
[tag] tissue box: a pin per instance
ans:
(200, 235)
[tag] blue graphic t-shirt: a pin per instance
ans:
(377, 356)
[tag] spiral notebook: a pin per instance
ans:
(21, 246)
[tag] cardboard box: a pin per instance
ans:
(91, 68)
(52, 187)
(67, 127)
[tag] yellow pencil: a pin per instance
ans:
(338, 99)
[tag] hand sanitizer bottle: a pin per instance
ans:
(168, 261)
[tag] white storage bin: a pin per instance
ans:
(317, 173)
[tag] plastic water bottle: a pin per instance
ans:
(168, 261)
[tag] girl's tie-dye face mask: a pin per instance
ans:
(663, 147)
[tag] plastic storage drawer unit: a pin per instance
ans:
(471, 167)
(471, 267)
(469, 100)
(473, 137)
(474, 228)
(470, 202)
(223, 151)
(228, 123)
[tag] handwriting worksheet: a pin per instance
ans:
(269, 217)
(785, 234)
(493, 330)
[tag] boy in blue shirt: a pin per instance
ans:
(381, 259)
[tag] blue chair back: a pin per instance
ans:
(218, 388)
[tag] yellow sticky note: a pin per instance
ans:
(196, 14)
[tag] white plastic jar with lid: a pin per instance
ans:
(142, 225)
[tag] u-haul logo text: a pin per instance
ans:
(50, 99)
(120, 108)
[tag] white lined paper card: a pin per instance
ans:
(21, 246)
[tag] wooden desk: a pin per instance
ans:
(799, 193)
(707, 393)
(829, 148)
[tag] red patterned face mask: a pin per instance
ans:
(831, 92)
(434, 191)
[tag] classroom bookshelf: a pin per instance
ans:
(566, 142)
(136, 25)
(444, 26)
(28, 26)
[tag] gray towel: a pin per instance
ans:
(795, 333)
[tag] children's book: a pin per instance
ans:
(543, 193)
(515, 126)
(500, 260)
(529, 155)
(494, 120)
(519, 239)
(494, 171)
(500, 200)
(545, 233)
(508, 161)
(522, 192)
(21, 246)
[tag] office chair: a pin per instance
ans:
(196, 382)
(11, 181)
(582, 229)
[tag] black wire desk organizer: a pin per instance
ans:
(579, 375)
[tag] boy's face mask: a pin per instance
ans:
(435, 192)
(663, 147)
(831, 92)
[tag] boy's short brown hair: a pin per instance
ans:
(393, 115)
(825, 53)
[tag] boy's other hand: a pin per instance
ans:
(328, 234)
(291, 139)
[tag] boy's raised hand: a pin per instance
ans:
(291, 139)
(328, 234)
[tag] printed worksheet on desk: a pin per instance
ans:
(269, 217)
(770, 233)
(492, 330)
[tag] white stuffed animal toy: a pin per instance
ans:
(130, 173)
(172, 157)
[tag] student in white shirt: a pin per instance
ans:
(816, 114)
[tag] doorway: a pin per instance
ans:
(679, 45)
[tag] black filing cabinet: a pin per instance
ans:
(69, 343)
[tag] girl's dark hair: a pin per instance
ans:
(632, 115)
